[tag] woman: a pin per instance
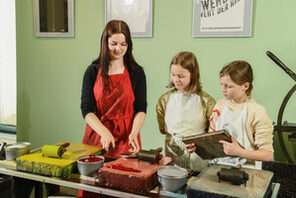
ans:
(113, 99)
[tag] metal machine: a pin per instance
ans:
(286, 126)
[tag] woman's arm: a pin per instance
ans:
(88, 103)
(140, 108)
(137, 125)
(88, 107)
(140, 92)
(106, 136)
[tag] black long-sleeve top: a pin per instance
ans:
(88, 103)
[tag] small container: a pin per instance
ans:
(89, 165)
(172, 178)
(12, 151)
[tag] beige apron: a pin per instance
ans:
(235, 122)
(184, 117)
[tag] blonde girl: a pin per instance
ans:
(184, 110)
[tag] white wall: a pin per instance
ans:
(7, 62)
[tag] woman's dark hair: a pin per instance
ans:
(187, 60)
(240, 72)
(115, 27)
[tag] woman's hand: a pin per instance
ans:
(107, 140)
(232, 148)
(190, 148)
(133, 137)
(133, 141)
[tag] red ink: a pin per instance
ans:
(91, 159)
(123, 168)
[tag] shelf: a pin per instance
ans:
(286, 127)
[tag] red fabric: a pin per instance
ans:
(212, 117)
(86, 194)
(217, 111)
(115, 111)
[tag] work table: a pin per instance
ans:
(75, 183)
(88, 184)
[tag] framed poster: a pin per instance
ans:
(137, 14)
(222, 18)
(53, 18)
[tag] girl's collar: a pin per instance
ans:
(246, 100)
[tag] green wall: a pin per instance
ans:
(50, 70)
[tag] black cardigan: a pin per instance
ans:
(88, 103)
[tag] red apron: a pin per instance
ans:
(115, 110)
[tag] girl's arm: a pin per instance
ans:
(210, 103)
(215, 114)
(260, 155)
(190, 148)
(234, 149)
(160, 112)
(262, 132)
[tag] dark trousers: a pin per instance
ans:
(22, 188)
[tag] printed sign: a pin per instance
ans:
(222, 18)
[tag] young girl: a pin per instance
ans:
(184, 110)
(242, 117)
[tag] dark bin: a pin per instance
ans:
(5, 186)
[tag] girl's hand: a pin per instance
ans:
(107, 140)
(163, 132)
(233, 148)
(190, 148)
(133, 141)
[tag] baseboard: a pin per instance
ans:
(7, 137)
